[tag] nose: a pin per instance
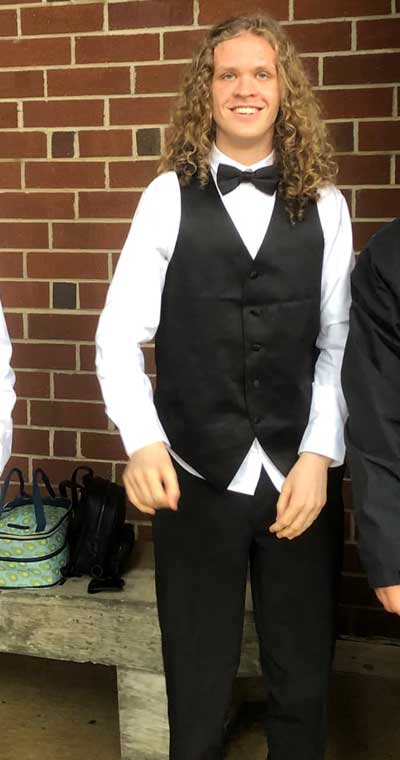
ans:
(245, 86)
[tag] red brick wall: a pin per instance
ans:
(85, 91)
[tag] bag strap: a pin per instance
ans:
(6, 484)
(37, 499)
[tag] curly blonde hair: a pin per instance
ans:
(303, 153)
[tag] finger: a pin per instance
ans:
(294, 530)
(171, 486)
(284, 499)
(289, 516)
(155, 492)
(135, 500)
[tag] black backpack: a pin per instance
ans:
(99, 538)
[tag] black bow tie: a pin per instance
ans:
(265, 179)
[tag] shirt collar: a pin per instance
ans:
(217, 157)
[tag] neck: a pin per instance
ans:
(244, 154)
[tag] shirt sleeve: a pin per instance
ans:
(7, 395)
(371, 382)
(132, 312)
(325, 430)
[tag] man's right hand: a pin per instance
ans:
(389, 596)
(150, 479)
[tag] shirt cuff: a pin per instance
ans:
(324, 433)
(134, 439)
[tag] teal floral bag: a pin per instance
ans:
(33, 535)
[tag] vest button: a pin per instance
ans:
(256, 346)
(256, 383)
(253, 274)
(255, 312)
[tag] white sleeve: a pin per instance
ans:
(7, 395)
(132, 312)
(325, 430)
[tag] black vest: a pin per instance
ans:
(235, 348)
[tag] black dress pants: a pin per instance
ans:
(202, 556)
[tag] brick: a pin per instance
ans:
(64, 113)
(346, 192)
(24, 235)
(112, 142)
(20, 413)
(72, 327)
(324, 37)
(315, 9)
(113, 205)
(71, 414)
(62, 144)
(362, 231)
(140, 110)
(351, 560)
(30, 441)
(92, 295)
(21, 84)
(8, 23)
(364, 170)
(377, 622)
(8, 115)
(342, 136)
(148, 142)
(376, 34)
(63, 19)
(378, 203)
(65, 174)
(23, 464)
(23, 145)
(117, 48)
(61, 469)
(21, 293)
(87, 358)
(15, 325)
(373, 68)
(162, 78)
(356, 103)
(11, 264)
(83, 81)
(79, 386)
(132, 173)
(182, 44)
(398, 170)
(64, 443)
(212, 12)
(43, 52)
(74, 266)
(380, 135)
(10, 175)
(149, 359)
(102, 446)
(43, 356)
(32, 384)
(138, 15)
(311, 68)
(37, 206)
(64, 295)
(90, 235)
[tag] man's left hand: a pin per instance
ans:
(303, 496)
(390, 598)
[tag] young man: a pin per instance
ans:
(371, 382)
(7, 395)
(238, 261)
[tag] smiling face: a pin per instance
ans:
(246, 96)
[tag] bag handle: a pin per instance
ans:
(73, 484)
(5, 486)
(37, 499)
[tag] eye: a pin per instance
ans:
(228, 75)
(263, 75)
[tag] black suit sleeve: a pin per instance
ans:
(371, 384)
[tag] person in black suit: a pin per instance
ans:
(371, 384)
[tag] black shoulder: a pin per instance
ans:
(382, 253)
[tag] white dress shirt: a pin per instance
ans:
(132, 312)
(7, 395)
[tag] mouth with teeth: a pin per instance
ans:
(246, 110)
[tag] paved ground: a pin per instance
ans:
(54, 710)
